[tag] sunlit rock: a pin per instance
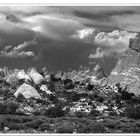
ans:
(35, 76)
(27, 91)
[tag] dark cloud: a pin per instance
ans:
(54, 27)
(102, 16)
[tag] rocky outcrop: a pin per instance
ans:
(45, 89)
(127, 70)
(98, 75)
(36, 77)
(27, 91)
(16, 75)
(22, 75)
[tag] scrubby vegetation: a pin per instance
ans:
(68, 106)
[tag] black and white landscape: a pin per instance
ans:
(69, 69)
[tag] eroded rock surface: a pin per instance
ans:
(127, 70)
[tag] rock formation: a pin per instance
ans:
(16, 75)
(127, 70)
(97, 75)
(27, 91)
(35, 76)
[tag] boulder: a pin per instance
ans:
(48, 78)
(22, 75)
(36, 77)
(16, 75)
(44, 88)
(27, 91)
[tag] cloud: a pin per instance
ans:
(115, 41)
(103, 16)
(63, 21)
(98, 54)
(53, 26)
(21, 54)
(14, 52)
(24, 45)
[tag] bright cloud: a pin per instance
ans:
(115, 41)
(14, 52)
(98, 54)
(55, 27)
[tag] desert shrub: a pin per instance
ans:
(135, 99)
(8, 107)
(90, 87)
(11, 107)
(81, 114)
(37, 112)
(56, 111)
(2, 108)
(133, 111)
(26, 119)
(65, 127)
(90, 127)
(110, 123)
(16, 126)
(14, 119)
(32, 124)
(53, 78)
(100, 99)
(94, 113)
(128, 128)
(125, 95)
(69, 86)
(20, 98)
(45, 126)
(67, 81)
(51, 86)
(21, 81)
(51, 97)
(71, 96)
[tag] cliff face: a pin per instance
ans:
(127, 70)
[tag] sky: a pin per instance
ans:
(64, 37)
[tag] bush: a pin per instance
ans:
(14, 119)
(11, 107)
(90, 87)
(56, 111)
(45, 126)
(51, 86)
(69, 86)
(125, 95)
(94, 113)
(16, 126)
(2, 108)
(90, 127)
(8, 107)
(20, 98)
(65, 127)
(33, 124)
(71, 96)
(80, 114)
(27, 119)
(133, 111)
